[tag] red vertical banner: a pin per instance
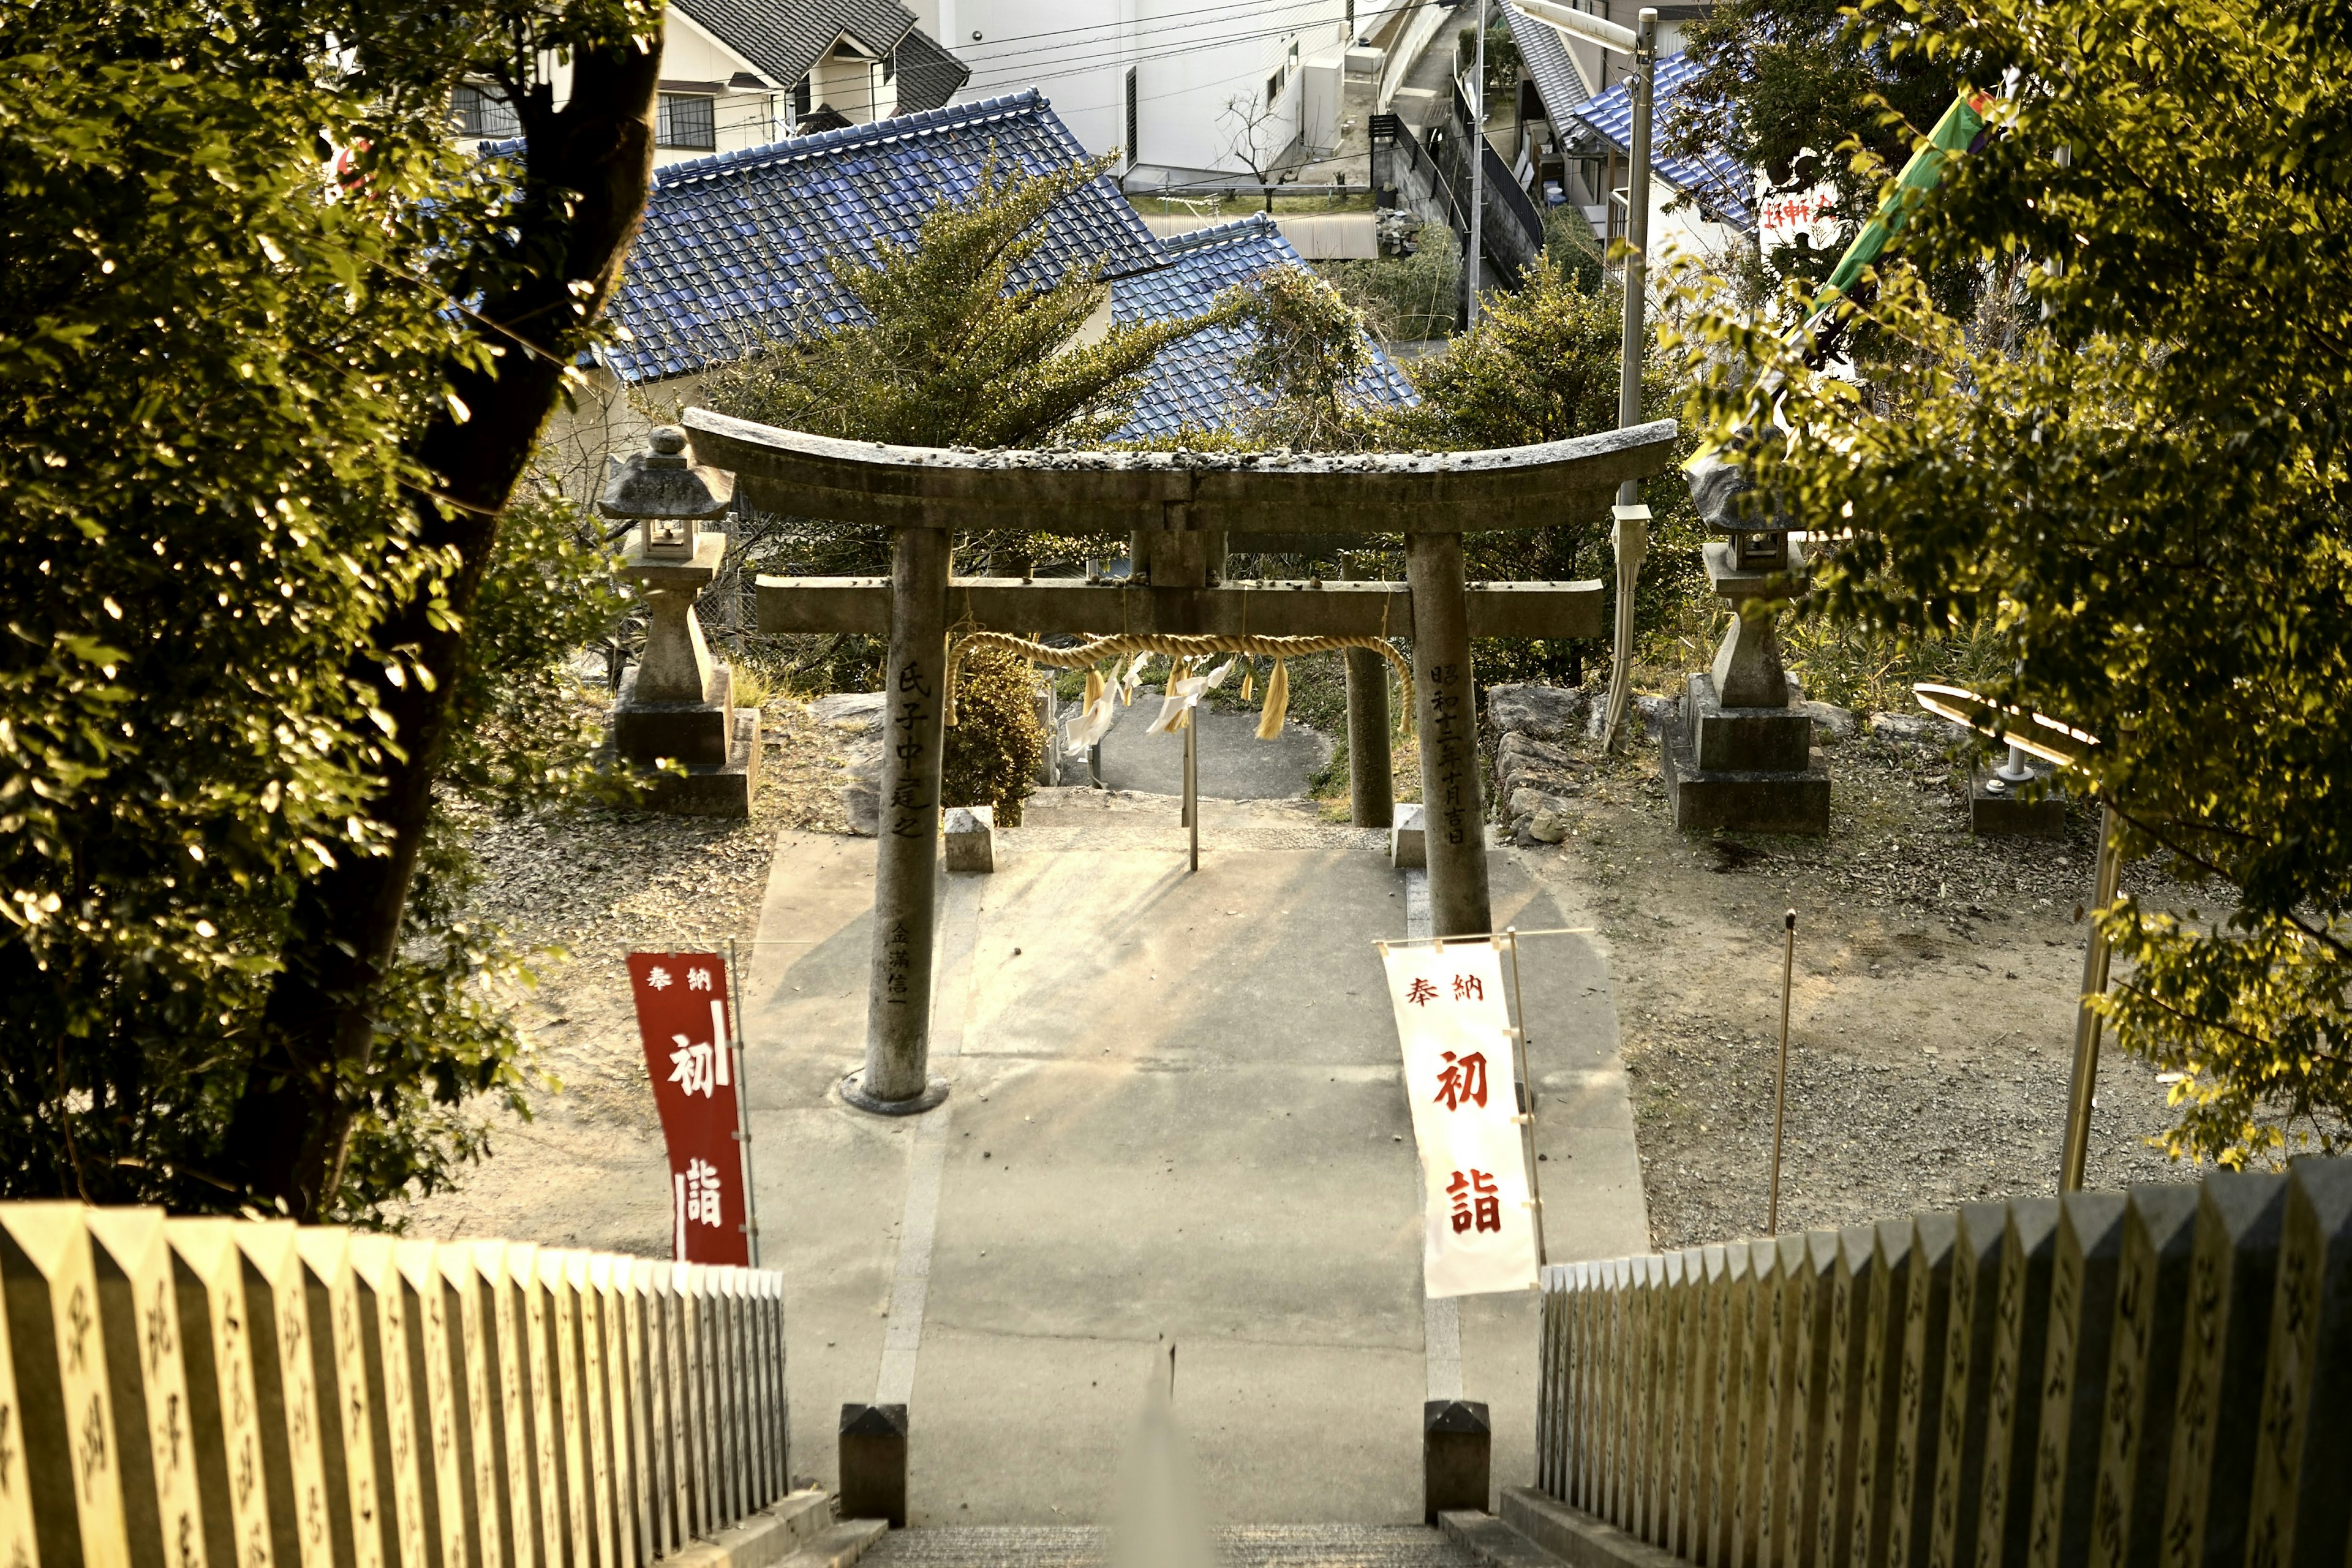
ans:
(682, 1017)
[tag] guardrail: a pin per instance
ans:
(2109, 1379)
(243, 1394)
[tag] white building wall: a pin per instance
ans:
(1191, 61)
(742, 118)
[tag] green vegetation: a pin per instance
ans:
(2129, 507)
(996, 744)
(1403, 299)
(270, 612)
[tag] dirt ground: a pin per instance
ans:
(1932, 1011)
(1932, 1019)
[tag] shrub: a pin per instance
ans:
(996, 744)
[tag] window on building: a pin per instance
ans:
(478, 111)
(1130, 117)
(687, 120)
(1273, 88)
(802, 103)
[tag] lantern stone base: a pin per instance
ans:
(1751, 770)
(2003, 812)
(718, 743)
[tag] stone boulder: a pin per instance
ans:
(1919, 729)
(853, 720)
(1545, 712)
(1829, 721)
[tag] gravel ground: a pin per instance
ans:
(597, 885)
(1933, 1002)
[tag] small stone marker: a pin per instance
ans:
(1457, 1446)
(1408, 840)
(874, 1463)
(971, 838)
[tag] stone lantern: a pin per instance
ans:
(678, 704)
(1741, 756)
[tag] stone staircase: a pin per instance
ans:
(1245, 1546)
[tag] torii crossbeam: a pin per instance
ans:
(1179, 508)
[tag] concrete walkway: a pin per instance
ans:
(1176, 1115)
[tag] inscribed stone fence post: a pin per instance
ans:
(226, 1393)
(2152, 1377)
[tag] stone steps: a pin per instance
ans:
(1242, 1546)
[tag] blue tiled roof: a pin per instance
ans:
(1712, 179)
(1717, 181)
(1195, 384)
(734, 249)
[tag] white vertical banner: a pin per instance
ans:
(1479, 1226)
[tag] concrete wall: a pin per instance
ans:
(1189, 66)
(608, 417)
(2110, 1377)
(1318, 237)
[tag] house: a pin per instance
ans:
(1572, 143)
(1184, 90)
(737, 74)
(739, 249)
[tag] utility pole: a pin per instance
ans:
(1633, 520)
(1477, 271)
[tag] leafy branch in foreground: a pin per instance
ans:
(2139, 500)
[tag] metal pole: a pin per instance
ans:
(1193, 781)
(742, 1100)
(1475, 272)
(1631, 353)
(2085, 1083)
(1781, 1085)
(1526, 1092)
(1372, 783)
(1454, 810)
(894, 1081)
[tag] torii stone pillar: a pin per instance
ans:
(1454, 808)
(1184, 505)
(894, 1081)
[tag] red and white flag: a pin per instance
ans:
(682, 1015)
(1479, 1226)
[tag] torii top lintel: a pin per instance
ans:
(1259, 492)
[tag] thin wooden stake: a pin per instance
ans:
(1780, 1089)
(1523, 1078)
(1193, 781)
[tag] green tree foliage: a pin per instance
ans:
(996, 744)
(1792, 88)
(951, 351)
(2142, 500)
(1542, 365)
(1309, 353)
(1403, 299)
(225, 334)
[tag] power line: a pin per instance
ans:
(996, 60)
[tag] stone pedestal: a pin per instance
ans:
(1999, 808)
(1737, 756)
(1752, 770)
(679, 702)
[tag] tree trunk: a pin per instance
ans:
(587, 169)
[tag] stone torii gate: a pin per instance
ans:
(1180, 508)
